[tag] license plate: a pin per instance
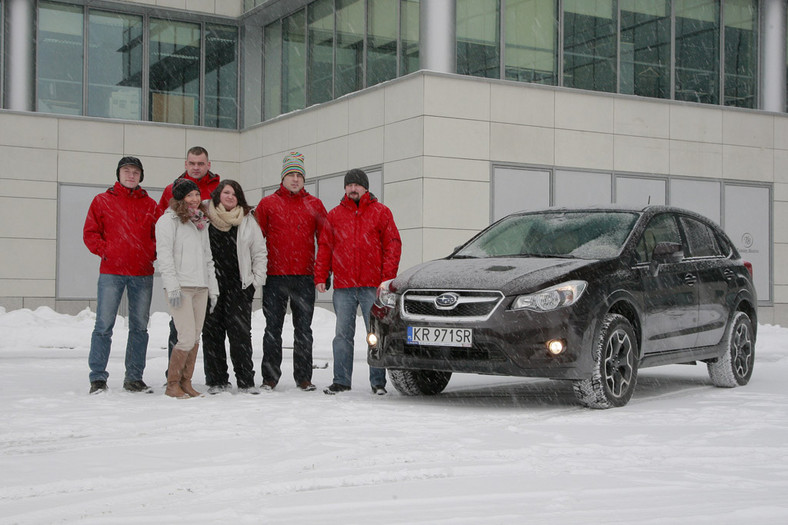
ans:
(424, 335)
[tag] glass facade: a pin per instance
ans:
(478, 38)
(59, 59)
(531, 33)
(125, 65)
(114, 65)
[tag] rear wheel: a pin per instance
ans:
(734, 367)
(419, 382)
(615, 366)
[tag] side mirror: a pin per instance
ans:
(666, 253)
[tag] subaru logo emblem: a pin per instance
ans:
(447, 301)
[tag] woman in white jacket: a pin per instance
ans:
(184, 259)
(240, 259)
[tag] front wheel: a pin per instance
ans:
(615, 366)
(419, 382)
(734, 367)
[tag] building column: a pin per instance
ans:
(773, 33)
(20, 56)
(438, 35)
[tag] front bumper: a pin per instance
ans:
(510, 343)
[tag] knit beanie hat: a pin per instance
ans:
(293, 162)
(357, 176)
(182, 186)
(130, 161)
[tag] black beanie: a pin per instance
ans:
(182, 187)
(357, 176)
(130, 161)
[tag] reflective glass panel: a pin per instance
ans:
(531, 33)
(590, 35)
(174, 72)
(221, 76)
(697, 51)
(294, 62)
(59, 62)
(321, 50)
(350, 47)
(645, 48)
(478, 38)
(741, 52)
(114, 65)
(272, 70)
(381, 41)
(409, 36)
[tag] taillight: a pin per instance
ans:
(748, 265)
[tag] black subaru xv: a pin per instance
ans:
(585, 295)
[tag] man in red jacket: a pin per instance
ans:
(120, 228)
(291, 220)
(198, 170)
(361, 246)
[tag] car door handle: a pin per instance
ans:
(690, 279)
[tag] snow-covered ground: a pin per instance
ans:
(488, 450)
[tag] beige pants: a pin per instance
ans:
(189, 317)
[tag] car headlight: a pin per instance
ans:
(387, 294)
(558, 296)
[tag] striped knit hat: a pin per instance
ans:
(293, 162)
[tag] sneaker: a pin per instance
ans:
(268, 385)
(335, 388)
(137, 386)
(97, 387)
(306, 386)
(379, 390)
(218, 389)
(253, 390)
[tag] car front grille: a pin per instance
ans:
(484, 352)
(471, 305)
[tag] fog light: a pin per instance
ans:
(556, 346)
(372, 339)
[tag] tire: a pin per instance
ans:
(419, 382)
(734, 367)
(615, 366)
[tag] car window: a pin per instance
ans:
(662, 228)
(701, 240)
(583, 235)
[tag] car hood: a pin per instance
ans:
(509, 275)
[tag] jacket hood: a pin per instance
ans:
(509, 275)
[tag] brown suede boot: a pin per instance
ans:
(188, 372)
(175, 374)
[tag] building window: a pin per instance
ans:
(174, 72)
(741, 52)
(530, 34)
(409, 36)
(114, 65)
(272, 70)
(221, 78)
(697, 51)
(60, 59)
(590, 34)
(645, 48)
(381, 41)
(349, 67)
(320, 56)
(478, 38)
(294, 62)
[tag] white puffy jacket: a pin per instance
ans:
(252, 253)
(183, 254)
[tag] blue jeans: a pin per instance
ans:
(346, 302)
(139, 290)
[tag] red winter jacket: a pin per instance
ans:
(361, 244)
(291, 224)
(207, 184)
(121, 229)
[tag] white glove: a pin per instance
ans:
(174, 297)
(213, 300)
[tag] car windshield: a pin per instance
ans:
(581, 235)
